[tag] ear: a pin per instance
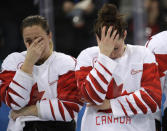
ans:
(125, 34)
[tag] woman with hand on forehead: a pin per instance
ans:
(120, 82)
(39, 84)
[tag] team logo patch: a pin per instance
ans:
(94, 60)
(20, 65)
(134, 72)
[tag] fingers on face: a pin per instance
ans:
(38, 44)
(103, 32)
(111, 33)
(41, 44)
(36, 41)
(117, 37)
(113, 36)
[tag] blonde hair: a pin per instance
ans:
(51, 45)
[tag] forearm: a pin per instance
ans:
(18, 93)
(27, 67)
(26, 111)
(94, 83)
(55, 109)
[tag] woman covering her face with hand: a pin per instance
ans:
(39, 84)
(119, 81)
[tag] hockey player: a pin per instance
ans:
(122, 76)
(39, 84)
(157, 44)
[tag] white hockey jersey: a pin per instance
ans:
(131, 83)
(52, 84)
(158, 45)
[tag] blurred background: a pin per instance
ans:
(71, 22)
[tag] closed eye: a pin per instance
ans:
(115, 48)
(29, 41)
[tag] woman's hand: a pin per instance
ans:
(104, 106)
(107, 42)
(34, 53)
(26, 111)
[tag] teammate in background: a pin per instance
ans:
(39, 84)
(119, 81)
(157, 44)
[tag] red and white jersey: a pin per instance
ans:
(131, 83)
(158, 45)
(52, 85)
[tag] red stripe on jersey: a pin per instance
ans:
(105, 68)
(10, 101)
(162, 63)
(72, 106)
(69, 109)
(82, 82)
(65, 77)
(140, 104)
(123, 108)
(92, 94)
(19, 85)
(61, 110)
(148, 101)
(3, 90)
(101, 77)
(5, 77)
(106, 111)
(68, 80)
(81, 78)
(131, 107)
(82, 73)
(15, 93)
(151, 83)
(52, 110)
(67, 88)
(85, 94)
(96, 84)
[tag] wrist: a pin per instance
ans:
(27, 67)
(106, 54)
(35, 110)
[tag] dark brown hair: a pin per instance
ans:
(35, 20)
(108, 16)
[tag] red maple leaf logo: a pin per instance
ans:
(162, 63)
(114, 90)
(35, 95)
